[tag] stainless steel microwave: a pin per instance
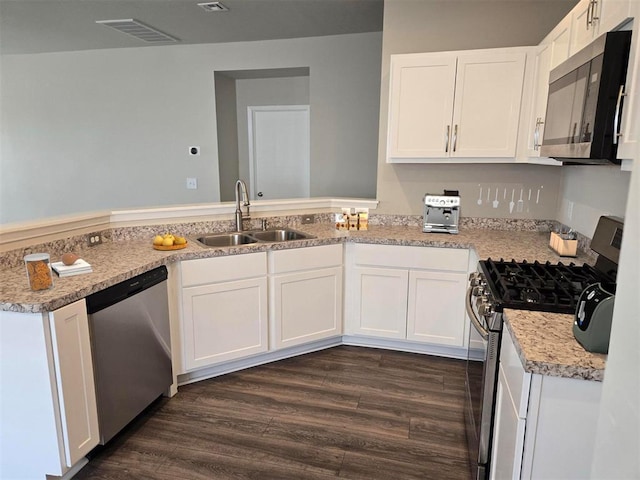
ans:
(586, 92)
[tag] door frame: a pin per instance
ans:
(251, 111)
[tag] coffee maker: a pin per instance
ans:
(441, 212)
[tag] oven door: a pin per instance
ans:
(481, 381)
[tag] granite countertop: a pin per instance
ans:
(116, 261)
(546, 346)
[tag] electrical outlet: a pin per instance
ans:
(94, 239)
(570, 210)
(192, 183)
(306, 219)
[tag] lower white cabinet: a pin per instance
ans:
(410, 293)
(545, 426)
(224, 309)
(48, 408)
(305, 295)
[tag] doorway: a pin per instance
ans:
(279, 151)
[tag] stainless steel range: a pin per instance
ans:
(500, 284)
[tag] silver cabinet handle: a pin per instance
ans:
(455, 137)
(594, 5)
(589, 14)
(446, 139)
(616, 117)
(536, 134)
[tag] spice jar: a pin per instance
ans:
(39, 271)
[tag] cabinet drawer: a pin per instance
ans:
(309, 258)
(432, 258)
(517, 381)
(223, 269)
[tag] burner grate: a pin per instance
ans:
(539, 286)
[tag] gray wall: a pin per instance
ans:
(108, 129)
(228, 163)
(262, 92)
(417, 26)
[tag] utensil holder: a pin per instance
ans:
(564, 248)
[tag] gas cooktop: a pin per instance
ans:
(539, 286)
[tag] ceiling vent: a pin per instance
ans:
(214, 7)
(139, 30)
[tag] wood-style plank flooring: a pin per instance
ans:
(347, 412)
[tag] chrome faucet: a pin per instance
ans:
(241, 190)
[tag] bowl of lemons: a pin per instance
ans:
(169, 241)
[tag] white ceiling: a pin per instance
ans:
(38, 26)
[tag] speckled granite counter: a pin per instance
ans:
(546, 346)
(114, 262)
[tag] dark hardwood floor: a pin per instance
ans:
(347, 412)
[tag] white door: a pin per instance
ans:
(279, 149)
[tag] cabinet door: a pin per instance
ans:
(539, 105)
(508, 436)
(584, 25)
(436, 311)
(611, 14)
(306, 306)
(224, 321)
(379, 302)
(560, 39)
(487, 105)
(74, 378)
(420, 105)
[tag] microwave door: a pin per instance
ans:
(591, 100)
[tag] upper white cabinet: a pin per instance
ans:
(407, 293)
(560, 40)
(591, 18)
(539, 99)
(49, 408)
(224, 309)
(458, 104)
(305, 295)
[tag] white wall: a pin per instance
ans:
(105, 129)
(418, 26)
(593, 190)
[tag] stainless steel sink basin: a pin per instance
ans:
(278, 235)
(226, 239)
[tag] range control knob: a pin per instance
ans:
(478, 281)
(485, 309)
(477, 291)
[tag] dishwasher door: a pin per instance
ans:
(131, 349)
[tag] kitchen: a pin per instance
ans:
(399, 187)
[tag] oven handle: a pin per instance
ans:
(474, 320)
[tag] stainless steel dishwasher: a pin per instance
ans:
(129, 327)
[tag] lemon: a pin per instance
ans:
(167, 242)
(157, 240)
(179, 241)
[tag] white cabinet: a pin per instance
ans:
(434, 303)
(560, 40)
(455, 104)
(407, 293)
(539, 99)
(305, 295)
(48, 413)
(224, 309)
(592, 18)
(544, 425)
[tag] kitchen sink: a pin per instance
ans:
(232, 239)
(278, 235)
(226, 239)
